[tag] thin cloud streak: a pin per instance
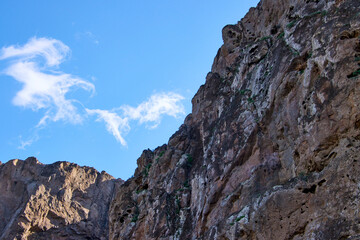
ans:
(150, 111)
(44, 88)
(153, 109)
(28, 142)
(35, 65)
(115, 124)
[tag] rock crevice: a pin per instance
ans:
(270, 151)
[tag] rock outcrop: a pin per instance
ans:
(270, 151)
(56, 201)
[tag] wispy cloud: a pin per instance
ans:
(115, 124)
(54, 51)
(44, 87)
(27, 142)
(155, 107)
(34, 65)
(150, 111)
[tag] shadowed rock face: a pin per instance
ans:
(270, 151)
(56, 201)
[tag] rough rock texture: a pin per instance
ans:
(271, 149)
(57, 201)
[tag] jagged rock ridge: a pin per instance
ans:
(56, 201)
(271, 149)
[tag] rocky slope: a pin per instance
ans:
(270, 151)
(57, 201)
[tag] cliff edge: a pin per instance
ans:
(270, 151)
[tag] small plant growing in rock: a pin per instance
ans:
(134, 219)
(186, 184)
(189, 160)
(239, 218)
(308, 55)
(323, 13)
(178, 204)
(159, 156)
(354, 74)
(146, 170)
(161, 153)
(281, 35)
(291, 24)
(135, 215)
(264, 38)
(140, 191)
(244, 91)
(266, 73)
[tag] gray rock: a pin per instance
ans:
(56, 201)
(270, 151)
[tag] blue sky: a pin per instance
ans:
(97, 82)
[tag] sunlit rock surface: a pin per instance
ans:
(270, 151)
(56, 201)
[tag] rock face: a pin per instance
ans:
(57, 201)
(270, 151)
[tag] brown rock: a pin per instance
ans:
(271, 148)
(57, 201)
(270, 151)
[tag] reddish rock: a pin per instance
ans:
(270, 151)
(56, 201)
(272, 146)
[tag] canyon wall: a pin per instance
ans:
(270, 151)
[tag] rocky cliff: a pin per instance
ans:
(57, 201)
(270, 151)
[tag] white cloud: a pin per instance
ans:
(153, 109)
(44, 88)
(28, 142)
(116, 125)
(150, 111)
(54, 51)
